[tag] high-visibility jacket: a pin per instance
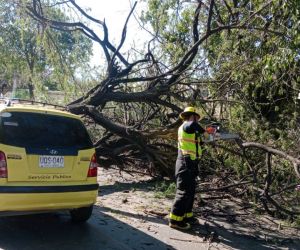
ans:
(189, 144)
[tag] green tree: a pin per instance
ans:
(37, 56)
(260, 70)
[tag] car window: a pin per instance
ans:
(24, 129)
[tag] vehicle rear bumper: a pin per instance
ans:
(46, 198)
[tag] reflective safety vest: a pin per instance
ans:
(189, 144)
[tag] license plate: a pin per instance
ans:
(50, 161)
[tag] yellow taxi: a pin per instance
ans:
(47, 161)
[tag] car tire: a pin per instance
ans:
(81, 214)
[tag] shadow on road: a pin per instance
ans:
(237, 237)
(56, 231)
(147, 185)
(149, 218)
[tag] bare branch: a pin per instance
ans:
(210, 14)
(293, 160)
(85, 14)
(123, 34)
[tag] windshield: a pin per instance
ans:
(24, 129)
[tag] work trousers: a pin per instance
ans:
(186, 172)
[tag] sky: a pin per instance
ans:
(115, 13)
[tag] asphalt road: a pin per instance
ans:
(56, 231)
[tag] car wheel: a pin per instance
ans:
(81, 214)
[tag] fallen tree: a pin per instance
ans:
(136, 105)
(277, 197)
(161, 89)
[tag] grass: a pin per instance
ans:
(164, 189)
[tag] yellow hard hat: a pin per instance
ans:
(188, 111)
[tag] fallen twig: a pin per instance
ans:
(162, 214)
(222, 214)
(203, 190)
(195, 241)
(225, 196)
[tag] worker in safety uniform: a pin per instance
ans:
(189, 152)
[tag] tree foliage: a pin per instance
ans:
(36, 57)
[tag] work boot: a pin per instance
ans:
(191, 220)
(181, 225)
